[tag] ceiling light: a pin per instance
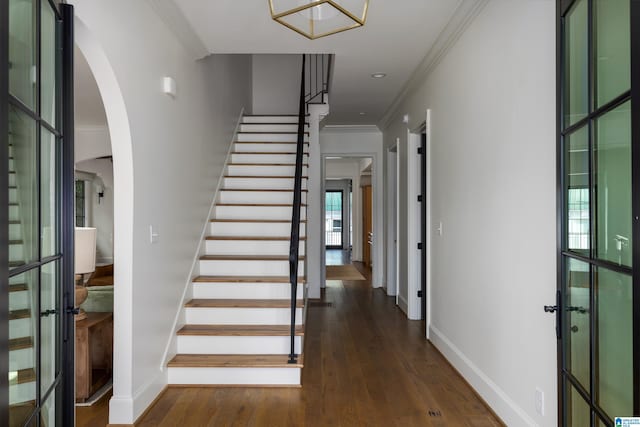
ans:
(319, 18)
(378, 75)
(362, 113)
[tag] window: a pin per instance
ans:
(80, 203)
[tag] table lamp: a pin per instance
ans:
(85, 262)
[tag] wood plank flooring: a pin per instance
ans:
(365, 365)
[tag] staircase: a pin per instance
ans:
(22, 374)
(238, 323)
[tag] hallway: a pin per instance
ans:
(365, 364)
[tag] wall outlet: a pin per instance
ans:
(539, 401)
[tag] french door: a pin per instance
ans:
(36, 259)
(598, 211)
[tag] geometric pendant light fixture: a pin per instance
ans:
(319, 18)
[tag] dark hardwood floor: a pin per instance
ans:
(365, 365)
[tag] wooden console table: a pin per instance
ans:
(94, 353)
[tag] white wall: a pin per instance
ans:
(91, 141)
(276, 84)
(493, 187)
(362, 141)
(177, 147)
(100, 210)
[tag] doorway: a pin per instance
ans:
(598, 177)
(36, 371)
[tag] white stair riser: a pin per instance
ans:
(266, 158)
(274, 127)
(256, 212)
(13, 195)
(270, 137)
(241, 316)
(14, 211)
(12, 164)
(270, 119)
(253, 228)
(259, 183)
(236, 344)
(250, 247)
(268, 147)
(266, 170)
(19, 300)
(235, 376)
(244, 267)
(16, 252)
(19, 393)
(21, 359)
(285, 197)
(245, 290)
(14, 232)
(19, 328)
(12, 180)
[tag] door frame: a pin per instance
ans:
(65, 401)
(342, 208)
(563, 6)
(392, 220)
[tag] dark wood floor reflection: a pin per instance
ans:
(365, 365)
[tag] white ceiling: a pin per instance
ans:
(396, 38)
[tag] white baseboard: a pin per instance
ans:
(127, 409)
(403, 304)
(510, 413)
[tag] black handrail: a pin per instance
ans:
(316, 89)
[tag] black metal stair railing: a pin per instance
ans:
(314, 87)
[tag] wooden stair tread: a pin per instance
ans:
(259, 204)
(242, 303)
(273, 123)
(269, 132)
(264, 176)
(13, 264)
(20, 343)
(233, 361)
(259, 238)
(24, 376)
(18, 287)
(15, 242)
(240, 330)
(264, 164)
(248, 257)
(270, 142)
(269, 221)
(268, 190)
(245, 279)
(19, 314)
(279, 153)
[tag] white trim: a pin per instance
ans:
(402, 303)
(459, 22)
(179, 25)
(392, 221)
(398, 153)
(428, 222)
(170, 349)
(510, 413)
(120, 132)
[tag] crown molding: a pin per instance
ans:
(177, 23)
(457, 25)
(349, 128)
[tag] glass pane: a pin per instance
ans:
(613, 51)
(22, 51)
(49, 325)
(49, 415)
(23, 315)
(333, 218)
(613, 185)
(48, 65)
(48, 193)
(615, 343)
(577, 181)
(576, 64)
(577, 411)
(577, 321)
(23, 189)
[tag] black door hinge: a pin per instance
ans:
(420, 293)
(420, 197)
(419, 150)
(420, 246)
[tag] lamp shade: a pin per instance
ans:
(85, 250)
(319, 18)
